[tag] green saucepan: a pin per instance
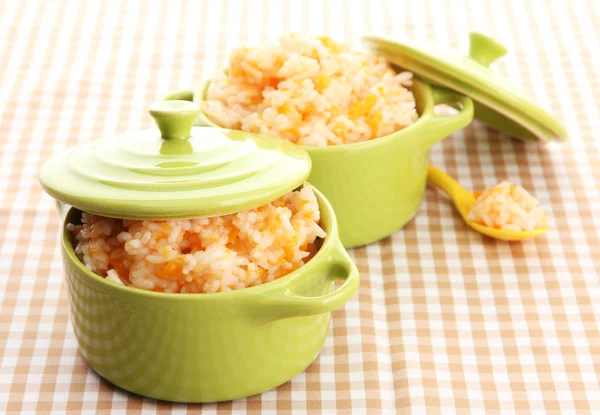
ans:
(208, 347)
(376, 186)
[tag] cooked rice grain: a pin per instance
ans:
(220, 253)
(311, 91)
(510, 207)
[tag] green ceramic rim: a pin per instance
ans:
(330, 246)
(424, 117)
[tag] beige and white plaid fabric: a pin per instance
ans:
(446, 321)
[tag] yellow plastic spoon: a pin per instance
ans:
(464, 201)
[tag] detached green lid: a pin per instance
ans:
(497, 103)
(178, 172)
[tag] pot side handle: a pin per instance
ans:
(447, 124)
(183, 95)
(286, 304)
(62, 208)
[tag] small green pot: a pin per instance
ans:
(208, 347)
(376, 186)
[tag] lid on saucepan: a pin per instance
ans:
(497, 103)
(178, 172)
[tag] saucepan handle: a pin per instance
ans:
(447, 124)
(285, 303)
(183, 95)
(62, 208)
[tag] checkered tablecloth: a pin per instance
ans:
(445, 319)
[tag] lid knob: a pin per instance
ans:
(174, 118)
(485, 50)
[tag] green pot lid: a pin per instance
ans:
(497, 103)
(179, 172)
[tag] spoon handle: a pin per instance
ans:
(456, 192)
